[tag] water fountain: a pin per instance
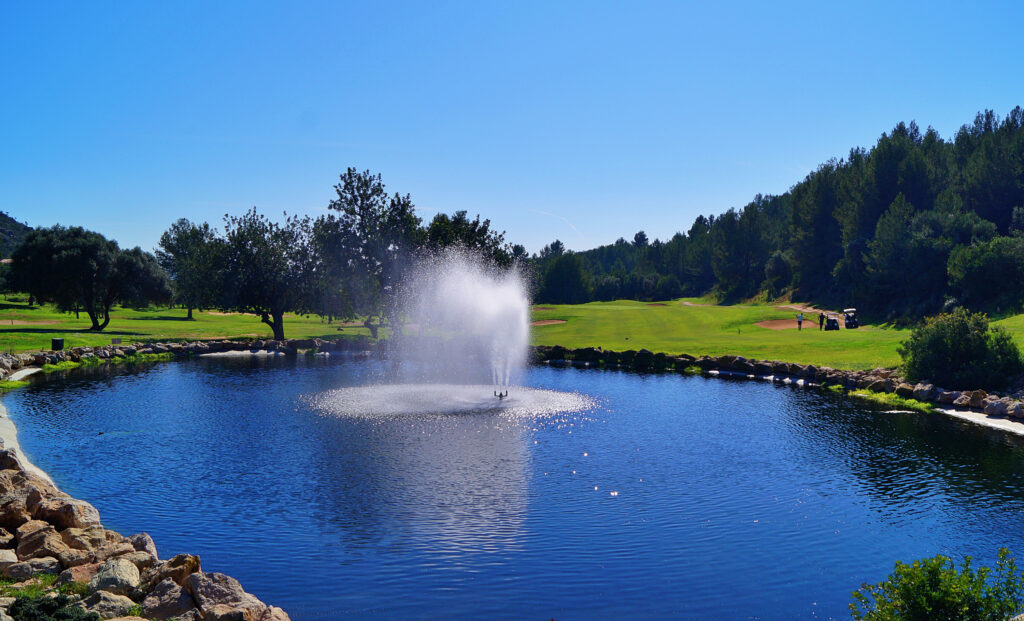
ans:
(460, 346)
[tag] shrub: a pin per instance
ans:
(961, 350)
(935, 588)
(44, 608)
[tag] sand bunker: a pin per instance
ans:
(546, 322)
(23, 322)
(779, 324)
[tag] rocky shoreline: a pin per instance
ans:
(994, 404)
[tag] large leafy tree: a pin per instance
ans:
(270, 268)
(372, 238)
(80, 270)
(458, 230)
(193, 256)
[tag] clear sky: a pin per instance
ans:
(580, 121)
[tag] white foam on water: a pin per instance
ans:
(388, 400)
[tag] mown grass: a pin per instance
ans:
(676, 328)
(24, 328)
(7, 385)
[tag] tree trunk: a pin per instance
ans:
(31, 301)
(190, 313)
(95, 320)
(372, 328)
(276, 322)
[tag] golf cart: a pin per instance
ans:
(851, 318)
(831, 322)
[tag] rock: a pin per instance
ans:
(84, 538)
(6, 538)
(978, 399)
(168, 599)
(27, 569)
(143, 543)
(177, 569)
(141, 559)
(62, 510)
(1015, 410)
(16, 486)
(220, 597)
(880, 385)
(963, 401)
(905, 390)
(79, 573)
(996, 407)
(113, 536)
(925, 392)
(273, 613)
(192, 615)
(119, 576)
(108, 605)
(643, 359)
(112, 550)
(74, 558)
(948, 396)
(7, 558)
(37, 539)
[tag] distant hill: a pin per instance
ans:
(11, 234)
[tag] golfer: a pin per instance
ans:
(800, 321)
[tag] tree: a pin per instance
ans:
(458, 230)
(378, 233)
(270, 268)
(78, 269)
(564, 281)
(989, 274)
(192, 255)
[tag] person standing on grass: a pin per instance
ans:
(799, 321)
(821, 321)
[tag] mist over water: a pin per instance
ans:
(465, 322)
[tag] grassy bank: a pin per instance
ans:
(24, 328)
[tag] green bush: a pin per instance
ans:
(960, 350)
(43, 608)
(935, 588)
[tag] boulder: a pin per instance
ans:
(26, 569)
(905, 390)
(273, 613)
(119, 576)
(925, 392)
(62, 510)
(143, 543)
(110, 550)
(1015, 410)
(74, 558)
(6, 538)
(947, 396)
(108, 605)
(79, 573)
(177, 569)
(762, 368)
(15, 487)
(996, 407)
(644, 359)
(978, 399)
(963, 401)
(742, 365)
(7, 558)
(168, 599)
(37, 539)
(218, 596)
(84, 538)
(141, 559)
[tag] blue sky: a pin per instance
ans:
(583, 121)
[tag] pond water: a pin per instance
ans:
(650, 496)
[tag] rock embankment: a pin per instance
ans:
(45, 531)
(875, 380)
(9, 363)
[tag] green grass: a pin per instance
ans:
(39, 585)
(64, 365)
(7, 385)
(24, 328)
(708, 329)
(893, 401)
(675, 328)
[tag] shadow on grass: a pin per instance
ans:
(161, 318)
(4, 330)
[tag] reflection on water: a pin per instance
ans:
(651, 497)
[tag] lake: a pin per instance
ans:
(656, 496)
